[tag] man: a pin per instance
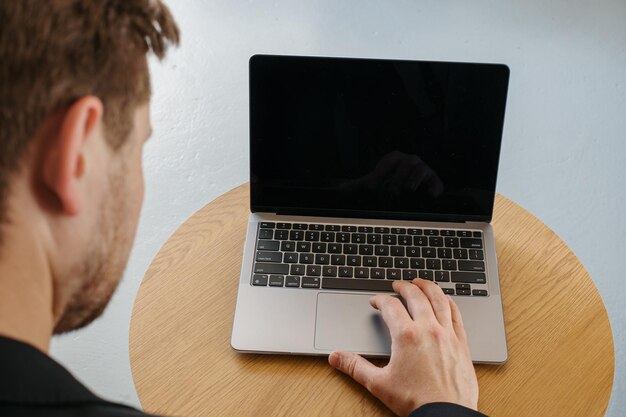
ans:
(74, 116)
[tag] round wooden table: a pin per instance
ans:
(560, 343)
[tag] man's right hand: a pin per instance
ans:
(430, 359)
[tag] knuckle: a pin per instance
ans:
(408, 334)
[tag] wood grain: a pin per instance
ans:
(561, 356)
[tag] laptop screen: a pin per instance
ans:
(394, 139)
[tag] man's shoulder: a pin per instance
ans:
(74, 410)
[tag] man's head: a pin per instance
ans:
(74, 115)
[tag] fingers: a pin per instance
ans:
(393, 312)
(439, 302)
(355, 366)
(457, 320)
(416, 301)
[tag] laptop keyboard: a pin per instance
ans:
(368, 258)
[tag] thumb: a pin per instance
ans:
(355, 366)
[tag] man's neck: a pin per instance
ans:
(26, 293)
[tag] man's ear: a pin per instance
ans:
(64, 161)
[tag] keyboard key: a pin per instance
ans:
(471, 243)
(322, 259)
(266, 234)
(306, 258)
(317, 227)
(378, 273)
(426, 275)
(433, 264)
(366, 250)
(276, 280)
(413, 252)
(356, 284)
(436, 242)
(381, 250)
(350, 249)
(381, 229)
(374, 239)
(409, 274)
(259, 280)
(449, 291)
(480, 293)
(460, 253)
(418, 263)
(329, 271)
(365, 229)
(394, 274)
(268, 245)
(463, 286)
(390, 240)
(420, 241)
(370, 261)
(297, 269)
(267, 268)
(442, 276)
(332, 228)
(296, 235)
(350, 229)
(328, 237)
(397, 251)
(451, 242)
(358, 238)
(300, 226)
(283, 226)
(476, 254)
(268, 225)
(310, 282)
(303, 247)
(447, 233)
(385, 261)
(290, 258)
(398, 231)
(401, 262)
(405, 240)
(279, 234)
(470, 277)
(462, 292)
(463, 233)
(319, 248)
(444, 253)
(338, 260)
(414, 232)
(448, 264)
(342, 237)
(334, 248)
(286, 246)
(477, 266)
(314, 270)
(292, 281)
(353, 260)
(312, 236)
(431, 232)
(429, 252)
(477, 234)
(346, 272)
(361, 273)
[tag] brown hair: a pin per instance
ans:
(53, 52)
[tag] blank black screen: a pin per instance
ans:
(380, 138)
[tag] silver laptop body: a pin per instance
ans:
(317, 249)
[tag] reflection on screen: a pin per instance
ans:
(381, 138)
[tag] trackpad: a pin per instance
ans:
(348, 322)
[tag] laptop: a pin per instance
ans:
(362, 172)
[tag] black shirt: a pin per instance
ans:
(33, 384)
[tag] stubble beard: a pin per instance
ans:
(98, 273)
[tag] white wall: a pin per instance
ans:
(564, 151)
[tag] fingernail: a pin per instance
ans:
(334, 360)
